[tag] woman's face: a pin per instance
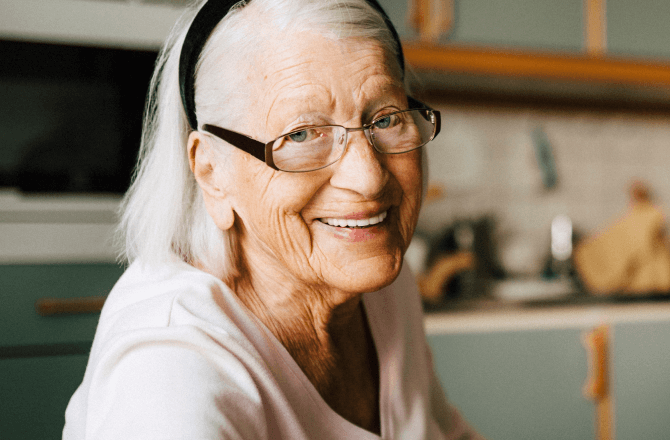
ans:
(288, 222)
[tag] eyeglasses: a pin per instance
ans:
(313, 148)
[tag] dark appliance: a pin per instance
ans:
(70, 116)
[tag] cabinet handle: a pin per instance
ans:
(597, 386)
(69, 306)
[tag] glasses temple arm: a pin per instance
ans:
(416, 104)
(244, 143)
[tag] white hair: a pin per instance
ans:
(163, 214)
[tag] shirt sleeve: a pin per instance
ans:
(172, 389)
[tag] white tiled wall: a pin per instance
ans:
(486, 161)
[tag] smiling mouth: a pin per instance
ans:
(352, 223)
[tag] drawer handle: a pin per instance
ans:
(69, 306)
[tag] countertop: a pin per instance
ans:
(489, 315)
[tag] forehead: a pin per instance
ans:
(306, 75)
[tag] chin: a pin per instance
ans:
(368, 276)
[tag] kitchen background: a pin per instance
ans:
(486, 159)
(551, 112)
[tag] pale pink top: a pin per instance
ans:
(177, 356)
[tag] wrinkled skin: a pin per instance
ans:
(300, 276)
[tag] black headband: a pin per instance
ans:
(202, 26)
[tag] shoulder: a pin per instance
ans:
(171, 358)
(173, 304)
(142, 284)
(151, 299)
(176, 384)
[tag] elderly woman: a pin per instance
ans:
(279, 185)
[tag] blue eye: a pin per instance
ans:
(383, 122)
(299, 136)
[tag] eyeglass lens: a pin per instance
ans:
(317, 147)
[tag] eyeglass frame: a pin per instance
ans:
(263, 151)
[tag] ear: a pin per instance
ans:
(207, 170)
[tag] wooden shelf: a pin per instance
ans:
(486, 76)
(537, 65)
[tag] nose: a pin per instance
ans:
(360, 169)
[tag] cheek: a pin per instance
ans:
(408, 172)
(271, 205)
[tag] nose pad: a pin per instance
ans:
(342, 138)
(370, 136)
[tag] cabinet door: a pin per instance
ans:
(536, 24)
(518, 384)
(34, 393)
(641, 380)
(638, 28)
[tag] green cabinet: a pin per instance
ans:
(524, 24)
(527, 384)
(641, 380)
(514, 385)
(43, 359)
(638, 28)
(397, 10)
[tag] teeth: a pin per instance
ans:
(351, 223)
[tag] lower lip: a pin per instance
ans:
(355, 235)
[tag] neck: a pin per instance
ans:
(310, 322)
(325, 331)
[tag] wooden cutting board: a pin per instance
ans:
(630, 255)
